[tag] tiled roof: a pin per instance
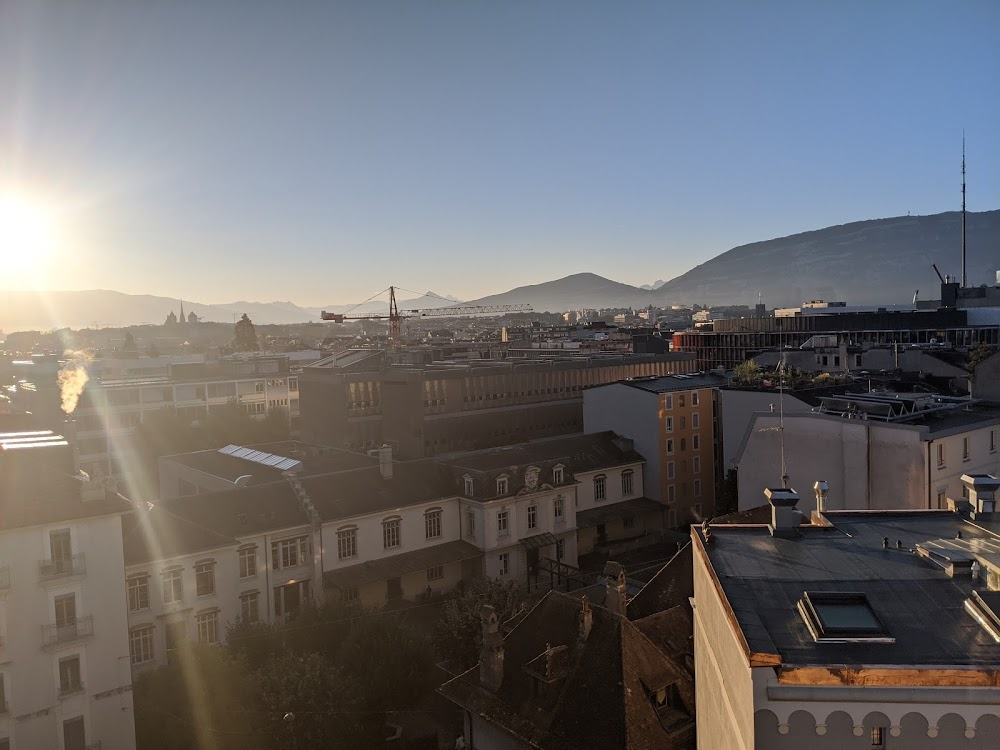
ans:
(158, 534)
(672, 585)
(603, 701)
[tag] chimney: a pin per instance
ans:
(385, 461)
(982, 489)
(617, 596)
(785, 519)
(822, 489)
(491, 654)
(586, 618)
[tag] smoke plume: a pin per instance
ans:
(72, 379)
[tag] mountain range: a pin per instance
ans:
(866, 262)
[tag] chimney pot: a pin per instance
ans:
(785, 519)
(586, 618)
(822, 490)
(616, 597)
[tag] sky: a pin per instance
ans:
(222, 150)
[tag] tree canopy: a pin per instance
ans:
(458, 634)
(245, 335)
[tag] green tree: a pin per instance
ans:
(254, 643)
(245, 336)
(130, 345)
(747, 372)
(458, 634)
(979, 353)
(204, 700)
(321, 705)
(388, 663)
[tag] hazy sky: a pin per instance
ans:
(319, 151)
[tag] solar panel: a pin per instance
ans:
(282, 463)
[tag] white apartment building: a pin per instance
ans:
(64, 677)
(858, 631)
(877, 451)
(194, 565)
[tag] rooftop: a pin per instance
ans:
(582, 453)
(764, 578)
(667, 383)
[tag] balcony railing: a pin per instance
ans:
(57, 567)
(81, 627)
(4, 577)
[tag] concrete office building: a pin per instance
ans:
(673, 422)
(857, 631)
(355, 399)
(877, 451)
(64, 677)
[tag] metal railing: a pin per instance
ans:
(74, 565)
(81, 627)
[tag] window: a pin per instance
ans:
(878, 738)
(65, 610)
(173, 586)
(680, 400)
(669, 424)
(470, 524)
(248, 562)
(683, 422)
(696, 420)
(250, 606)
(600, 487)
(668, 401)
(504, 563)
(670, 470)
(138, 592)
(697, 488)
(557, 475)
(435, 573)
(696, 442)
(293, 384)
(208, 627)
(942, 500)
(940, 455)
(670, 446)
(696, 464)
(469, 486)
(502, 527)
(290, 553)
(671, 494)
(501, 486)
(432, 523)
(839, 617)
(628, 522)
(558, 507)
(560, 549)
(74, 734)
(684, 444)
(390, 533)
(965, 449)
(204, 578)
(70, 679)
(694, 398)
(627, 482)
(61, 549)
(347, 543)
(140, 644)
(532, 516)
(350, 596)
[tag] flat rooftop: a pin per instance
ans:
(680, 382)
(922, 609)
(311, 460)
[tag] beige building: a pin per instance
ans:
(64, 677)
(877, 451)
(861, 630)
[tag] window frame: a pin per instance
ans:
(210, 621)
(250, 600)
(503, 564)
(201, 568)
(503, 485)
(247, 560)
(600, 488)
(141, 641)
(172, 581)
(347, 542)
(558, 474)
(137, 584)
(392, 532)
(503, 522)
(628, 482)
(433, 524)
(532, 516)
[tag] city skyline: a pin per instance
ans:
(216, 152)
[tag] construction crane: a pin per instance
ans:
(395, 316)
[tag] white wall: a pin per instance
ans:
(738, 408)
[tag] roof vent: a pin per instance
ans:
(982, 494)
(785, 519)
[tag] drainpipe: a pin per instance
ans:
(929, 506)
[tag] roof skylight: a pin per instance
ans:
(839, 617)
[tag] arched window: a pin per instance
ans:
(432, 523)
(391, 532)
(347, 542)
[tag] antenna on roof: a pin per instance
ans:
(963, 210)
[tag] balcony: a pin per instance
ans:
(61, 567)
(54, 635)
(4, 577)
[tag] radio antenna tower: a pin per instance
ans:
(963, 210)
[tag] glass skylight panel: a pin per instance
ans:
(839, 617)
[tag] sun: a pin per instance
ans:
(26, 234)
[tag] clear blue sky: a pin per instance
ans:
(319, 151)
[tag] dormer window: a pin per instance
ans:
(667, 697)
(839, 617)
(469, 486)
(502, 486)
(557, 475)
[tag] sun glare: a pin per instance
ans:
(25, 234)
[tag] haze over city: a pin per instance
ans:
(319, 151)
